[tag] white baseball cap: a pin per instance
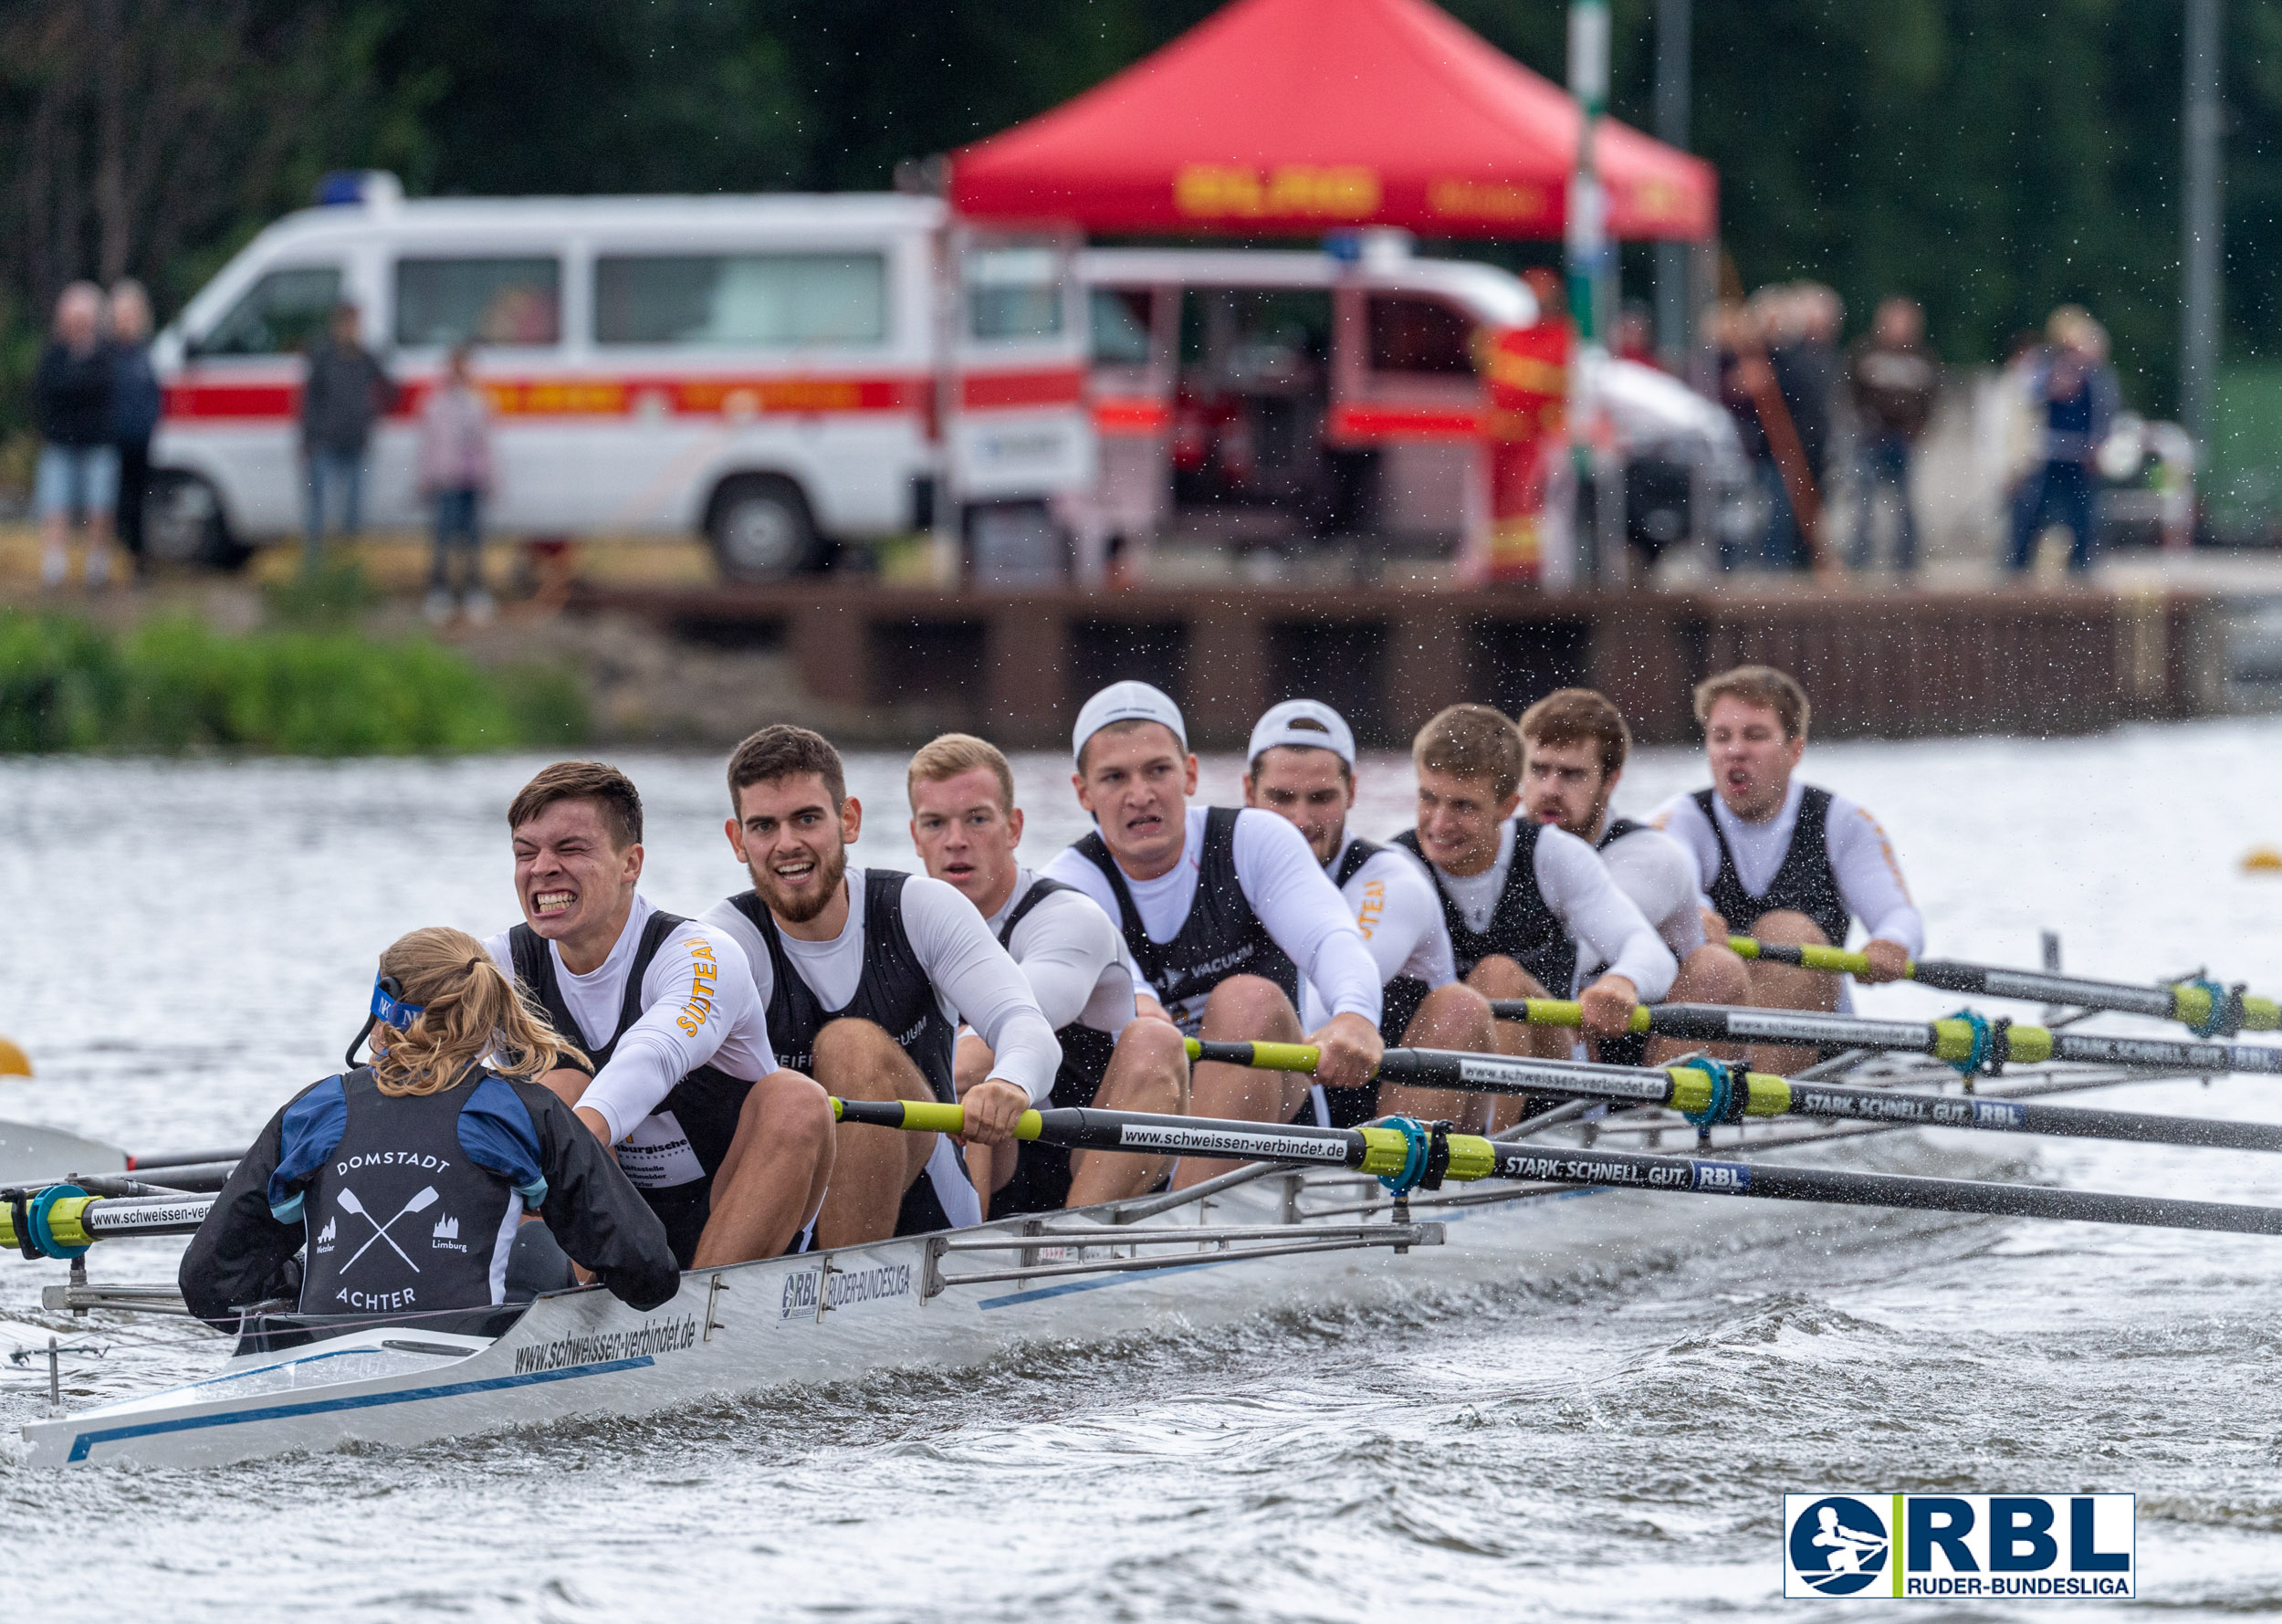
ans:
(1308, 723)
(1127, 702)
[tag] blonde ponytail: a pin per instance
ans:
(469, 1010)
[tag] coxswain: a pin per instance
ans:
(1300, 765)
(1574, 744)
(865, 975)
(1114, 1055)
(403, 1181)
(1524, 903)
(1225, 911)
(1781, 860)
(732, 1149)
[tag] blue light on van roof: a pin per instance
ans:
(341, 187)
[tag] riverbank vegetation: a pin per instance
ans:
(173, 683)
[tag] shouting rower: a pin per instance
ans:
(965, 826)
(1225, 910)
(866, 974)
(1300, 765)
(444, 1127)
(731, 1150)
(1523, 901)
(1574, 744)
(1781, 860)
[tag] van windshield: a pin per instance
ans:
(516, 302)
(1013, 293)
(277, 314)
(777, 300)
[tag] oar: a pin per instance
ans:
(63, 1221)
(1405, 1152)
(1958, 1040)
(2205, 1007)
(1714, 1091)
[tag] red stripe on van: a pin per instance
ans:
(1352, 424)
(731, 396)
(1134, 415)
(1064, 386)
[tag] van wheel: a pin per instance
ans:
(182, 524)
(761, 529)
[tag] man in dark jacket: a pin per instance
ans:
(2074, 395)
(1892, 377)
(136, 402)
(79, 468)
(345, 392)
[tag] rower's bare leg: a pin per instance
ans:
(1148, 1071)
(1788, 987)
(775, 1175)
(1498, 976)
(1242, 1009)
(990, 1166)
(1712, 974)
(1451, 1017)
(856, 1060)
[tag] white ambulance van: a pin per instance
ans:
(777, 372)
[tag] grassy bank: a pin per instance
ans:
(174, 684)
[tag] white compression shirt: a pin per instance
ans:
(697, 1008)
(973, 978)
(1073, 956)
(1656, 872)
(1607, 929)
(1861, 858)
(1288, 890)
(1402, 920)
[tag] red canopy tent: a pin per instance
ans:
(1299, 116)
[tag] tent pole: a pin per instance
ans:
(2202, 222)
(1675, 298)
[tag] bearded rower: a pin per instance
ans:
(1781, 860)
(1225, 910)
(1522, 899)
(1115, 1055)
(1574, 745)
(729, 1149)
(866, 974)
(1300, 765)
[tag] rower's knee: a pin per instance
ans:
(1789, 929)
(1251, 1007)
(1152, 1057)
(1501, 976)
(1712, 974)
(1453, 1017)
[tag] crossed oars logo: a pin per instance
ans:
(419, 1203)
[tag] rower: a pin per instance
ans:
(1114, 1055)
(1574, 744)
(405, 1181)
(1521, 898)
(866, 974)
(1784, 861)
(1225, 910)
(731, 1148)
(1300, 765)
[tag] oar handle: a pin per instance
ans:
(920, 1116)
(1813, 956)
(1557, 1011)
(1261, 1057)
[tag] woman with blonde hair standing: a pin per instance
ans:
(406, 1177)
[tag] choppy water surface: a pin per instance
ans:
(182, 945)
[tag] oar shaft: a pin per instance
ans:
(73, 1221)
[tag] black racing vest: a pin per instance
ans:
(705, 1103)
(894, 992)
(1803, 882)
(1220, 938)
(1401, 998)
(398, 1219)
(1522, 927)
(1085, 1050)
(1617, 829)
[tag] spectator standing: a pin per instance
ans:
(456, 473)
(1803, 349)
(344, 392)
(78, 465)
(1891, 377)
(136, 403)
(2074, 395)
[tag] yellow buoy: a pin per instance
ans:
(14, 1061)
(2262, 860)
